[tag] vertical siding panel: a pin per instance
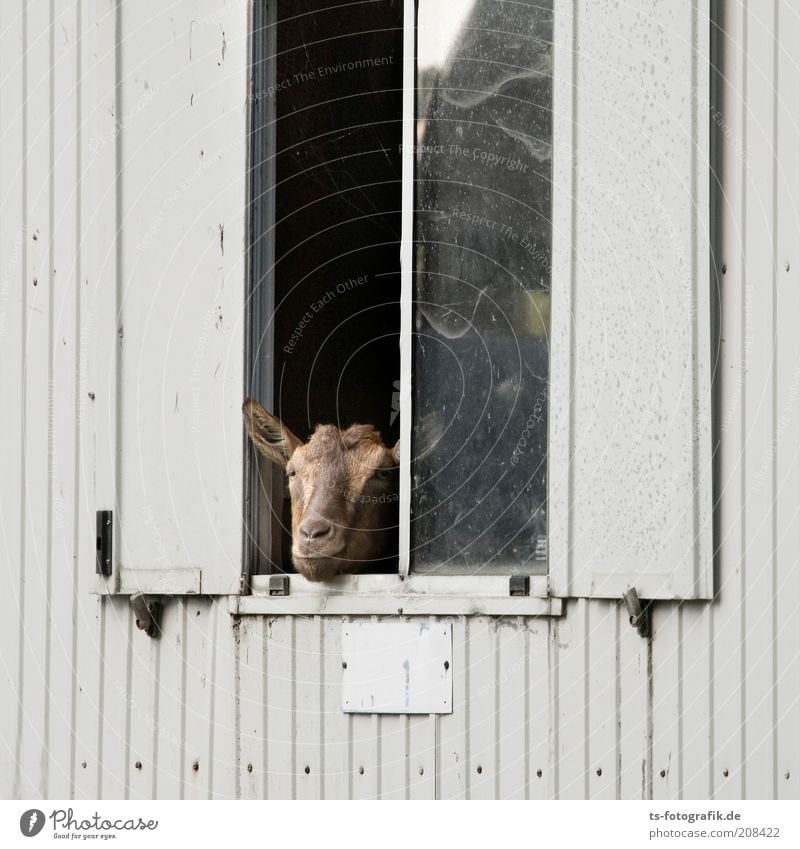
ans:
(759, 595)
(88, 627)
(573, 678)
(366, 760)
(37, 378)
(483, 683)
(787, 587)
(65, 266)
(336, 725)
(396, 768)
(512, 755)
(667, 707)
(253, 691)
(452, 767)
(169, 668)
(116, 699)
(632, 720)
(695, 717)
(222, 783)
(280, 702)
(199, 648)
(727, 658)
(89, 671)
(144, 684)
(540, 716)
(309, 681)
(14, 240)
(602, 702)
(422, 757)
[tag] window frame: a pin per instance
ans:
(405, 592)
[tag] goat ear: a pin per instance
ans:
(396, 452)
(268, 433)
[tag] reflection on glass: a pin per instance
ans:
(482, 284)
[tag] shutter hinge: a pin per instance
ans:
(103, 542)
(638, 612)
(519, 585)
(278, 585)
(147, 613)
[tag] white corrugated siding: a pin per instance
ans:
(710, 707)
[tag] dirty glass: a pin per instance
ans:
(482, 257)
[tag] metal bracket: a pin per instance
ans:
(519, 585)
(147, 613)
(638, 612)
(103, 542)
(279, 585)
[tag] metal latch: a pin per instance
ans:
(519, 585)
(103, 542)
(278, 585)
(638, 612)
(147, 612)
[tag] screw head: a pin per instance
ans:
(538, 773)
(249, 767)
(138, 764)
(725, 772)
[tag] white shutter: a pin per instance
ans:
(630, 430)
(168, 156)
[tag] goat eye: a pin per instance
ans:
(383, 474)
(290, 473)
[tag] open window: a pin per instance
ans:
(328, 142)
(456, 237)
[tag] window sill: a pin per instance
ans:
(417, 595)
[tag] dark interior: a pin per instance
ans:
(337, 237)
(337, 89)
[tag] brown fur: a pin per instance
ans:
(342, 482)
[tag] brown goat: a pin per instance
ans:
(343, 490)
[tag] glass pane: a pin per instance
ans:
(482, 284)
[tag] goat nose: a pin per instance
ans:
(315, 528)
